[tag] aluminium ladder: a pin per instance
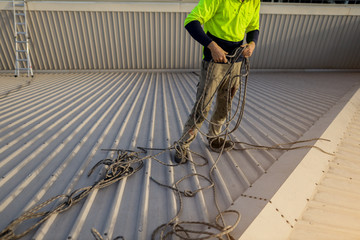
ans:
(21, 34)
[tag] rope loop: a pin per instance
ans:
(128, 162)
(188, 193)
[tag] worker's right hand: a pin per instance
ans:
(217, 53)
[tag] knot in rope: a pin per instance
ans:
(69, 200)
(188, 193)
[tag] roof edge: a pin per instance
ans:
(277, 200)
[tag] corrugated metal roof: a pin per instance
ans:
(53, 130)
(334, 212)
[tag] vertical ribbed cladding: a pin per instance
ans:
(71, 40)
(110, 40)
(52, 133)
(350, 32)
(307, 41)
(7, 46)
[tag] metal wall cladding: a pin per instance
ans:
(308, 41)
(103, 40)
(72, 40)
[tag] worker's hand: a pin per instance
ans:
(249, 49)
(217, 53)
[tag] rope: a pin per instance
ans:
(204, 159)
(245, 66)
(179, 229)
(279, 146)
(187, 193)
(125, 165)
(128, 162)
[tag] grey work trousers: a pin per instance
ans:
(205, 92)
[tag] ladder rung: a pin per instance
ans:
(22, 58)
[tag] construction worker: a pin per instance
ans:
(225, 23)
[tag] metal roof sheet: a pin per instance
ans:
(334, 212)
(52, 132)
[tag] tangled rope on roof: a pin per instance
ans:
(124, 165)
(127, 163)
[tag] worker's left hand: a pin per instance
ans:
(248, 51)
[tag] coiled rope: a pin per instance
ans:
(129, 162)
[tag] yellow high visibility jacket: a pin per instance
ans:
(227, 19)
